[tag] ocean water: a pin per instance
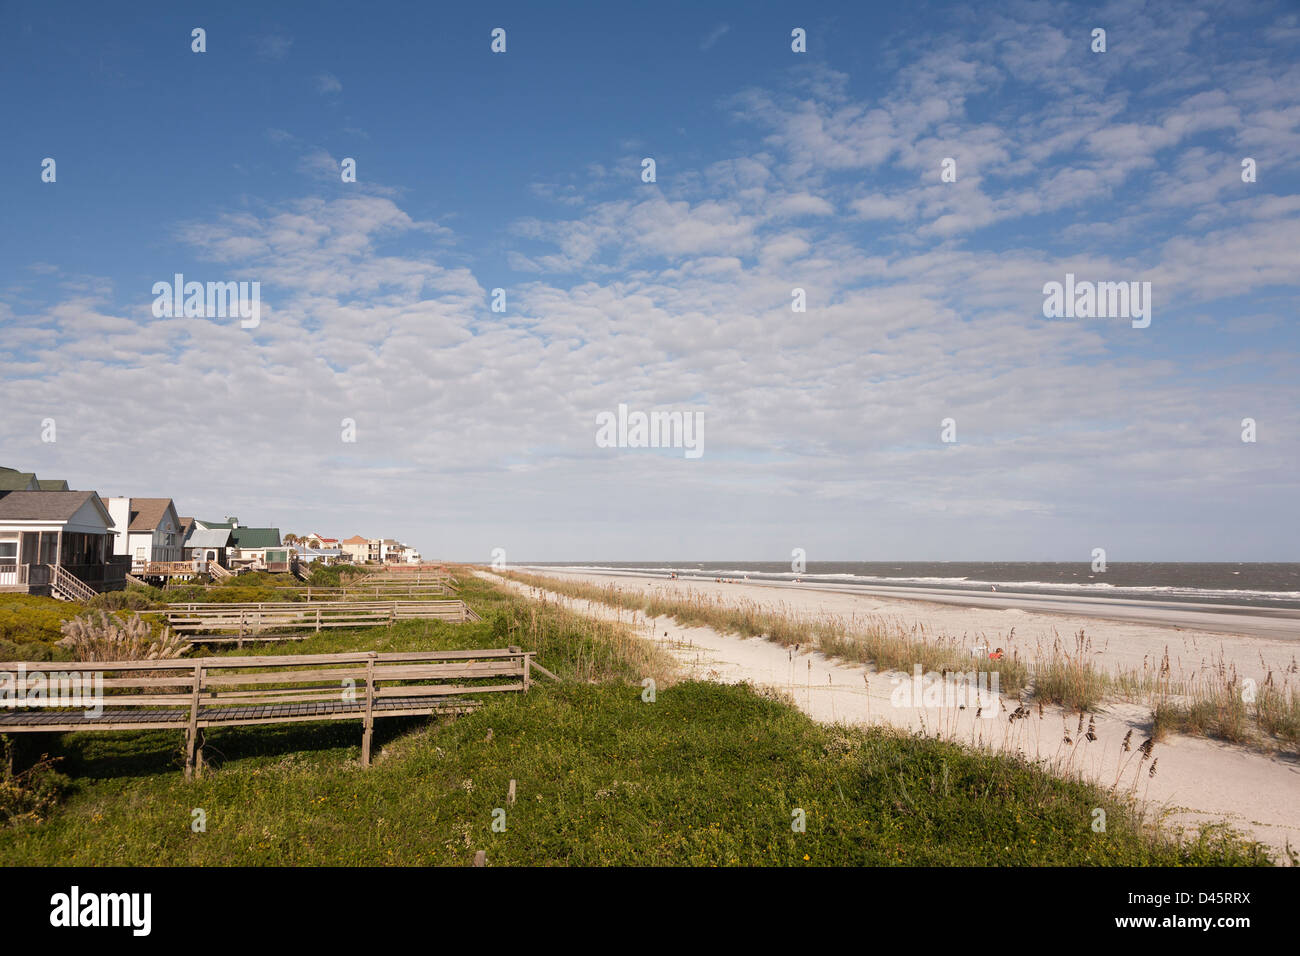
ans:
(1251, 584)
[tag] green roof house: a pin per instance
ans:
(259, 549)
(13, 480)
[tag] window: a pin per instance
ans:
(8, 553)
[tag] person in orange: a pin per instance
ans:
(996, 655)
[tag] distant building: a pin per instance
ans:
(258, 549)
(356, 548)
(321, 555)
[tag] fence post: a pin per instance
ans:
(192, 732)
(318, 620)
(528, 666)
(369, 723)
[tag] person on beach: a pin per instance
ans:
(996, 655)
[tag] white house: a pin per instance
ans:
(147, 529)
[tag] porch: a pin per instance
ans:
(32, 561)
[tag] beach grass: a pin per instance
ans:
(1206, 704)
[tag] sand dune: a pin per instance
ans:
(1196, 780)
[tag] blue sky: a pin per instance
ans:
(775, 170)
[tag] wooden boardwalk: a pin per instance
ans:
(225, 623)
(198, 693)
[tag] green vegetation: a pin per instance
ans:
(249, 587)
(26, 620)
(333, 576)
(706, 774)
(31, 795)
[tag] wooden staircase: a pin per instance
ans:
(218, 572)
(66, 586)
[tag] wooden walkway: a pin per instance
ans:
(224, 623)
(198, 693)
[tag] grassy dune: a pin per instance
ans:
(703, 775)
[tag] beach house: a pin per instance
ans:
(58, 543)
(146, 529)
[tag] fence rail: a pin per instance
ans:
(312, 592)
(204, 692)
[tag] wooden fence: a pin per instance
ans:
(194, 694)
(217, 623)
(378, 591)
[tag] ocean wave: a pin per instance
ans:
(959, 583)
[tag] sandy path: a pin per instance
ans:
(1196, 780)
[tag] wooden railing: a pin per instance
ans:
(24, 575)
(164, 567)
(67, 585)
(379, 590)
(111, 571)
(194, 694)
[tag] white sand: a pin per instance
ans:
(1196, 780)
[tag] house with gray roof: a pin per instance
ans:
(58, 543)
(207, 545)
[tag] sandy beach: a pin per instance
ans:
(1196, 780)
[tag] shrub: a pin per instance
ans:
(31, 794)
(29, 651)
(25, 618)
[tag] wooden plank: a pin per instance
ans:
(187, 664)
(537, 666)
(439, 690)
